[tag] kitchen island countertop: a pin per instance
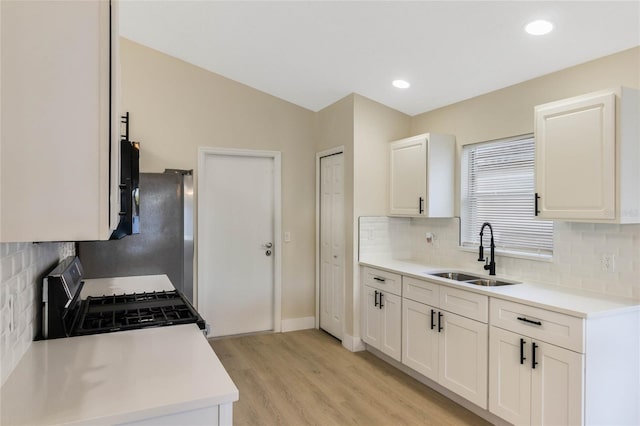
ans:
(116, 378)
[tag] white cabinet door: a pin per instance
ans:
(56, 87)
(372, 318)
(510, 376)
(391, 308)
(556, 386)
(408, 176)
(576, 157)
(462, 361)
(420, 338)
(422, 176)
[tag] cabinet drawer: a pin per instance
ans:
(465, 303)
(548, 326)
(382, 280)
(420, 291)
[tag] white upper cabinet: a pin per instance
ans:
(588, 157)
(60, 123)
(422, 176)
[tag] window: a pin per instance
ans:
(498, 187)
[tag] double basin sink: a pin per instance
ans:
(471, 279)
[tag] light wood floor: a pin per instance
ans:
(308, 378)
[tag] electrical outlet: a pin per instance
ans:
(11, 321)
(607, 262)
(287, 237)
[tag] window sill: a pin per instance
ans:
(513, 254)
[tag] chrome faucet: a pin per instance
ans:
(490, 264)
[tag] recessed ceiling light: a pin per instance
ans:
(400, 84)
(539, 27)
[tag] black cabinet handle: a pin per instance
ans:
(439, 322)
(433, 322)
(536, 211)
(421, 205)
(522, 358)
(379, 279)
(381, 305)
(533, 356)
(375, 298)
(529, 321)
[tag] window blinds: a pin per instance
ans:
(498, 187)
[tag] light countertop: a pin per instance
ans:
(115, 377)
(96, 287)
(573, 302)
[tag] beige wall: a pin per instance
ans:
(375, 125)
(177, 107)
(509, 111)
(334, 128)
(364, 128)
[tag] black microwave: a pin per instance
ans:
(129, 222)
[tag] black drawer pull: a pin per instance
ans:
(433, 322)
(529, 321)
(439, 322)
(522, 358)
(379, 279)
(375, 298)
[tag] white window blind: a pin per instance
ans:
(498, 187)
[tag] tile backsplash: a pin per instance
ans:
(576, 263)
(22, 267)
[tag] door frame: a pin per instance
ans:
(203, 152)
(319, 155)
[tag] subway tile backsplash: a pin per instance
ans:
(22, 267)
(576, 263)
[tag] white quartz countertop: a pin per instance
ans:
(568, 301)
(96, 287)
(115, 378)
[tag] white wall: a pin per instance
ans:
(22, 268)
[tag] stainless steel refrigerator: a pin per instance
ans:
(165, 242)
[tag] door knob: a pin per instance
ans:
(268, 252)
(268, 245)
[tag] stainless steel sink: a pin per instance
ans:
(472, 279)
(489, 282)
(456, 276)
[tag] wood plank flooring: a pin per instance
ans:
(308, 378)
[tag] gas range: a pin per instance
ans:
(66, 314)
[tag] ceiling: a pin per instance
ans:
(313, 53)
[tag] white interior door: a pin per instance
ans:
(332, 244)
(236, 244)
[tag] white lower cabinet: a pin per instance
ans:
(443, 346)
(419, 338)
(382, 312)
(463, 357)
(533, 382)
(526, 364)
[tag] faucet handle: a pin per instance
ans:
(486, 264)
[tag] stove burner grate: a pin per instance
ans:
(131, 311)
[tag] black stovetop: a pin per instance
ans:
(131, 311)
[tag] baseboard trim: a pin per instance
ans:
(293, 324)
(352, 343)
